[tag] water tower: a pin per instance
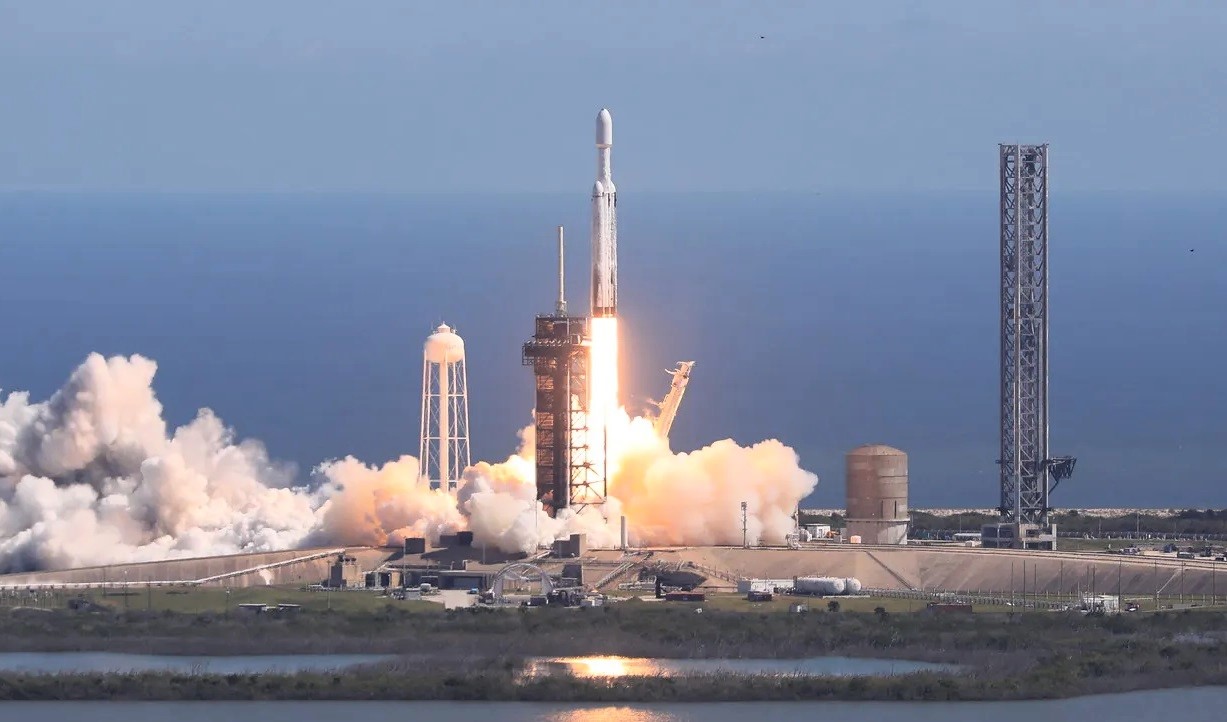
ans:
(877, 494)
(444, 448)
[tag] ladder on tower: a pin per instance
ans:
(668, 407)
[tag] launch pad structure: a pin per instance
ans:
(1028, 473)
(568, 364)
(559, 354)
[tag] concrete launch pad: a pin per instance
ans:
(911, 568)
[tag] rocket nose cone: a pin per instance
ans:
(604, 129)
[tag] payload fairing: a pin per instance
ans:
(604, 225)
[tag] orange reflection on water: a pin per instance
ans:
(598, 667)
(611, 714)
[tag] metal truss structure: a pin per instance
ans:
(1026, 468)
(559, 354)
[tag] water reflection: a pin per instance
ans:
(612, 667)
(612, 714)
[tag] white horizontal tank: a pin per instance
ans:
(825, 586)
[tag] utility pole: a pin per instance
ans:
(1120, 565)
(745, 529)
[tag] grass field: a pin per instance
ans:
(197, 600)
(218, 600)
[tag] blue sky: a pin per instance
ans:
(490, 96)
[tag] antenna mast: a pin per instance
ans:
(562, 289)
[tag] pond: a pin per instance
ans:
(648, 666)
(1187, 705)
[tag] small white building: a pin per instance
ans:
(1104, 603)
(818, 531)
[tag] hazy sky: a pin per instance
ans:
(460, 96)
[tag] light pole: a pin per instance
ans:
(1120, 567)
(745, 534)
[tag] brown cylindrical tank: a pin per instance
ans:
(877, 494)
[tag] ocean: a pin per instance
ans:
(825, 321)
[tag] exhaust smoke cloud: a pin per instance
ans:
(94, 476)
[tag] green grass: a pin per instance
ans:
(198, 600)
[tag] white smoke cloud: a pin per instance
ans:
(365, 505)
(93, 476)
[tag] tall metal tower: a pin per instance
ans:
(443, 451)
(1026, 468)
(559, 354)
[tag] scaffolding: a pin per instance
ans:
(558, 353)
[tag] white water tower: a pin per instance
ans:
(444, 448)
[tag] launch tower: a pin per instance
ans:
(558, 353)
(1028, 474)
(443, 449)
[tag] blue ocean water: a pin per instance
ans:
(825, 321)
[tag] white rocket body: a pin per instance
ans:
(604, 225)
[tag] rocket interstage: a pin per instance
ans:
(604, 225)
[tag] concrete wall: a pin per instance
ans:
(963, 569)
(306, 572)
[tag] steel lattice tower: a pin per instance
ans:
(1026, 468)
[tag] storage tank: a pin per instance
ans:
(825, 586)
(852, 585)
(877, 494)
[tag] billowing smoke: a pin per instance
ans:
(94, 476)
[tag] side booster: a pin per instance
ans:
(604, 225)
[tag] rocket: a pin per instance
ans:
(604, 225)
